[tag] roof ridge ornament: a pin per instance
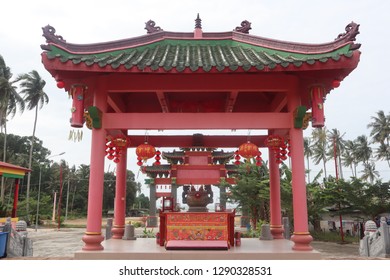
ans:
(151, 27)
(49, 33)
(351, 31)
(198, 22)
(244, 28)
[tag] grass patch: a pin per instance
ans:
(333, 237)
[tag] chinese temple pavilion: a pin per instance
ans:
(198, 81)
(16, 172)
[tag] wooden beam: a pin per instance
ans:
(163, 101)
(116, 103)
(231, 101)
(168, 121)
(185, 141)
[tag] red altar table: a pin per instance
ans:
(197, 226)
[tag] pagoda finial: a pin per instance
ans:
(198, 22)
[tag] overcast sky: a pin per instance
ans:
(348, 108)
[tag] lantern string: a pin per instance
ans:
(146, 136)
(249, 134)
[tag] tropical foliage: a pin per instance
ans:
(74, 181)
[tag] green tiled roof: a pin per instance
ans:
(202, 54)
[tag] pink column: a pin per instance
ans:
(16, 198)
(301, 235)
(120, 197)
(93, 235)
(276, 210)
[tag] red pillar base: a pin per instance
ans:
(302, 241)
(117, 232)
(92, 241)
(277, 231)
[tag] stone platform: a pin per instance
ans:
(147, 249)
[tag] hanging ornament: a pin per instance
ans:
(144, 152)
(248, 150)
(259, 160)
(288, 148)
(276, 144)
(157, 158)
(115, 147)
(75, 135)
(237, 158)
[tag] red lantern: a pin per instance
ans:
(237, 158)
(60, 84)
(278, 146)
(115, 146)
(274, 142)
(157, 158)
(248, 150)
(144, 152)
(335, 83)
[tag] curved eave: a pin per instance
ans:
(144, 40)
(349, 62)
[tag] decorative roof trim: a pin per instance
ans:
(244, 28)
(151, 27)
(352, 30)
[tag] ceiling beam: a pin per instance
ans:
(231, 101)
(186, 141)
(185, 121)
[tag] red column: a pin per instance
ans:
(301, 235)
(120, 197)
(16, 198)
(276, 209)
(93, 236)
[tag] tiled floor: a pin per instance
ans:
(147, 249)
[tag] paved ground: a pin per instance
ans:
(53, 244)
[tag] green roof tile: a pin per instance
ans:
(197, 54)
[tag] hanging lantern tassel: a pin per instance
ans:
(283, 152)
(139, 162)
(259, 160)
(75, 135)
(237, 158)
(157, 158)
(288, 148)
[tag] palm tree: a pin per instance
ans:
(319, 147)
(350, 157)
(369, 172)
(383, 152)
(32, 87)
(380, 128)
(380, 134)
(10, 102)
(337, 148)
(363, 149)
(308, 154)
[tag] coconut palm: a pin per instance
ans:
(369, 172)
(34, 96)
(380, 128)
(10, 102)
(337, 147)
(319, 147)
(349, 156)
(380, 133)
(308, 154)
(383, 152)
(363, 149)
